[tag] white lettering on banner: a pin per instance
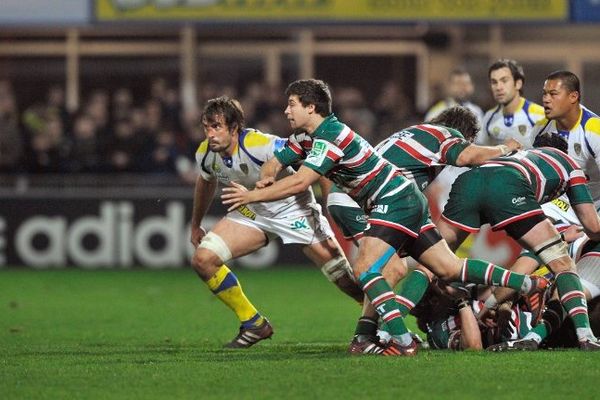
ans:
(121, 242)
(54, 228)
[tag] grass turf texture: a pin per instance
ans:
(148, 334)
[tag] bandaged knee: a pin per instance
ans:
(552, 249)
(213, 242)
(588, 268)
(337, 268)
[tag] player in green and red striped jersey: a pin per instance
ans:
(506, 193)
(398, 211)
(420, 152)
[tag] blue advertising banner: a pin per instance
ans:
(585, 10)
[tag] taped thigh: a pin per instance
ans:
(213, 242)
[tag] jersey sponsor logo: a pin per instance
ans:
(246, 212)
(380, 208)
(362, 218)
(563, 205)
(300, 223)
(518, 201)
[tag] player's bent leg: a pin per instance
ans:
(453, 235)
(209, 260)
(545, 241)
(366, 339)
(447, 266)
(373, 255)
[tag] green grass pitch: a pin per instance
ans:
(157, 334)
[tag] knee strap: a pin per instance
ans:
(552, 249)
(337, 268)
(213, 242)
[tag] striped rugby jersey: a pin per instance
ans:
(421, 151)
(550, 173)
(498, 127)
(584, 145)
(337, 152)
(252, 150)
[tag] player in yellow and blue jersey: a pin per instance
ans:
(514, 116)
(568, 118)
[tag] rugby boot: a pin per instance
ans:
(368, 345)
(394, 348)
(589, 344)
(539, 284)
(512, 345)
(250, 336)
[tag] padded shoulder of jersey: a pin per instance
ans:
(437, 106)
(254, 138)
(542, 122)
(536, 109)
(593, 125)
(203, 148)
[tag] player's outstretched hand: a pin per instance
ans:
(263, 183)
(234, 196)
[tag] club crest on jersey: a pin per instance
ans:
(523, 129)
(244, 168)
(577, 148)
(495, 131)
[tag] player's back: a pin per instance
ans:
(421, 151)
(549, 171)
(348, 160)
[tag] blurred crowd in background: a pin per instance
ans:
(119, 131)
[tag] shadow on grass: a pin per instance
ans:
(151, 353)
